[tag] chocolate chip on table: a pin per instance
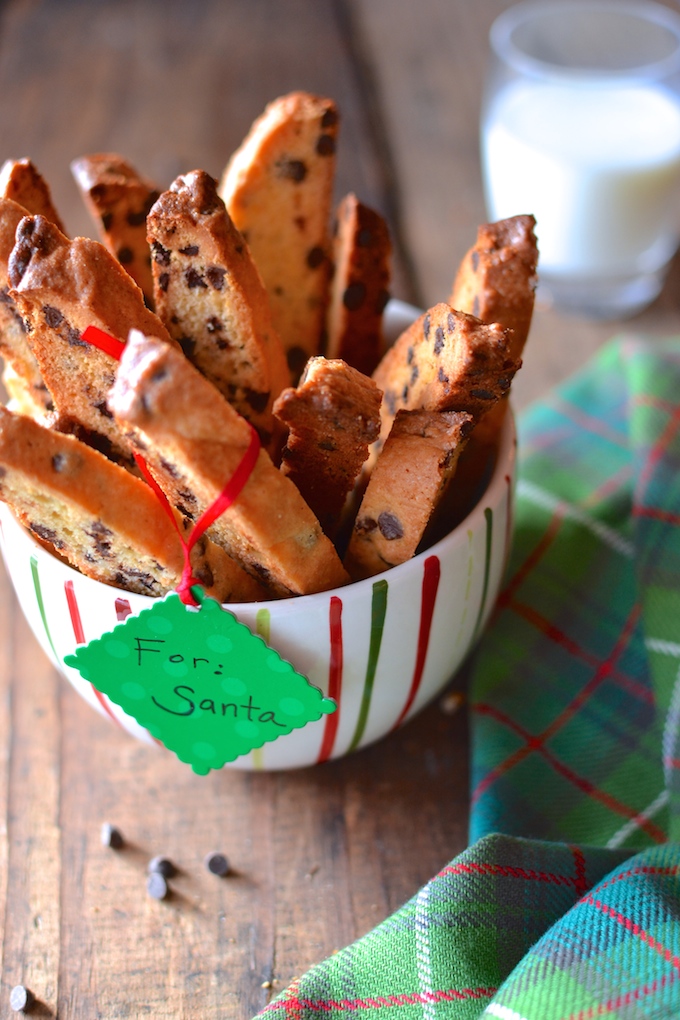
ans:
(21, 999)
(162, 866)
(156, 886)
(217, 863)
(111, 836)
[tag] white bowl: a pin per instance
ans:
(382, 647)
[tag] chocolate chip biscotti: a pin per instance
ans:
(193, 441)
(446, 361)
(408, 480)
(496, 280)
(22, 182)
(119, 198)
(360, 286)
(22, 376)
(333, 416)
(106, 522)
(278, 189)
(60, 288)
(211, 298)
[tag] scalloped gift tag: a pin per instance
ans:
(199, 681)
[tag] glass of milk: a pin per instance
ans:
(581, 127)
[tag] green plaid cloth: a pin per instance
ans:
(574, 911)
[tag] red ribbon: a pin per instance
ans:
(230, 493)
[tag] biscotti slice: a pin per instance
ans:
(23, 183)
(408, 480)
(60, 288)
(119, 198)
(333, 416)
(359, 287)
(211, 298)
(446, 361)
(278, 189)
(496, 280)
(21, 369)
(193, 441)
(98, 516)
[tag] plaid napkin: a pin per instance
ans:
(566, 906)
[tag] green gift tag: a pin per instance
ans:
(199, 681)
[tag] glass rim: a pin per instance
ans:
(506, 50)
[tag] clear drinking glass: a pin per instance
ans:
(581, 127)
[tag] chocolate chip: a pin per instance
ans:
(442, 376)
(474, 258)
(103, 409)
(163, 281)
(390, 526)
(194, 279)
(205, 575)
(107, 220)
(217, 863)
(354, 296)
(214, 325)
(438, 340)
(315, 257)
(364, 525)
(328, 445)
(451, 322)
(475, 306)
(409, 355)
(156, 886)
(21, 999)
(257, 400)
(160, 254)
(292, 169)
(59, 462)
(125, 256)
(190, 249)
(136, 219)
(111, 836)
(188, 345)
(74, 338)
(415, 372)
(297, 359)
(53, 317)
(482, 394)
(47, 534)
(325, 145)
(329, 118)
(426, 327)
(216, 276)
(364, 237)
(162, 866)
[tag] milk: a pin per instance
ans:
(598, 166)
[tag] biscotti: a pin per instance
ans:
(496, 280)
(359, 287)
(408, 480)
(211, 299)
(60, 288)
(22, 182)
(193, 441)
(119, 198)
(278, 189)
(22, 376)
(446, 361)
(333, 416)
(106, 522)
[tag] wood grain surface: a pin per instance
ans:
(319, 855)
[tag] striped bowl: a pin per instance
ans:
(382, 648)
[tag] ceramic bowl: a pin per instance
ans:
(382, 647)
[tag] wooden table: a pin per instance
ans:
(321, 855)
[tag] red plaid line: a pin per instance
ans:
(624, 1000)
(636, 930)
(380, 1001)
(585, 785)
(512, 872)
